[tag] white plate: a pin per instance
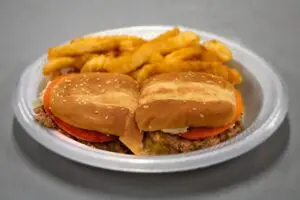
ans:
(263, 90)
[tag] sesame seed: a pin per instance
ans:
(102, 90)
(84, 102)
(64, 100)
(146, 106)
(123, 108)
(204, 102)
(65, 86)
(116, 80)
(96, 111)
(81, 84)
(99, 85)
(194, 108)
(106, 117)
(108, 82)
(201, 115)
(98, 79)
(67, 81)
(109, 107)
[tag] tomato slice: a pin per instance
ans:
(200, 133)
(81, 134)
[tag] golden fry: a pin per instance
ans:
(143, 73)
(155, 58)
(220, 49)
(229, 74)
(128, 63)
(142, 59)
(81, 60)
(166, 35)
(182, 40)
(83, 46)
(187, 53)
(57, 64)
(129, 43)
(211, 56)
(215, 68)
(95, 64)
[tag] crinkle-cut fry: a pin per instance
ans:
(182, 66)
(112, 54)
(187, 53)
(182, 40)
(95, 64)
(125, 42)
(128, 63)
(55, 64)
(130, 43)
(229, 74)
(210, 56)
(80, 47)
(221, 49)
(155, 58)
(143, 73)
(81, 60)
(165, 67)
(215, 68)
(166, 35)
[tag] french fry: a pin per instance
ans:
(166, 35)
(187, 53)
(82, 46)
(56, 64)
(155, 58)
(81, 60)
(171, 51)
(182, 40)
(220, 49)
(128, 63)
(210, 56)
(95, 64)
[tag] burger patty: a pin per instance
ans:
(156, 143)
(45, 119)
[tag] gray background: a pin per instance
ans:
(28, 171)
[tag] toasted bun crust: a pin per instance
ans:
(185, 99)
(101, 102)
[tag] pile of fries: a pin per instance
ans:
(172, 51)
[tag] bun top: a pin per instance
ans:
(95, 101)
(185, 99)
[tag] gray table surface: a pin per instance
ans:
(29, 172)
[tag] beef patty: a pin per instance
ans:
(156, 143)
(45, 119)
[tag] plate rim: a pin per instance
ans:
(228, 152)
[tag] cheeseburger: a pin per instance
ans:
(94, 108)
(168, 113)
(186, 111)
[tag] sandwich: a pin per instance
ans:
(169, 113)
(93, 108)
(185, 111)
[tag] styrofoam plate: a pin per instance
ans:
(265, 99)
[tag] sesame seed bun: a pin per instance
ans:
(102, 102)
(185, 99)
